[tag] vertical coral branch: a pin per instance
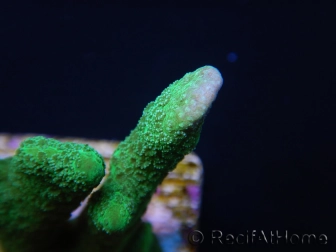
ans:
(168, 129)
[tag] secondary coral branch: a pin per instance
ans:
(40, 186)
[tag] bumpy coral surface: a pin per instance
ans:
(46, 179)
(42, 183)
(168, 129)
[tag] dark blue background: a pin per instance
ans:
(268, 144)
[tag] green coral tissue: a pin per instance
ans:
(47, 179)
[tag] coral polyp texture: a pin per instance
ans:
(46, 179)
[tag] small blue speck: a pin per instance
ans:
(232, 57)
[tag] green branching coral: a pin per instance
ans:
(168, 129)
(46, 179)
(40, 186)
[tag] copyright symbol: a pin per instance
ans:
(195, 237)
